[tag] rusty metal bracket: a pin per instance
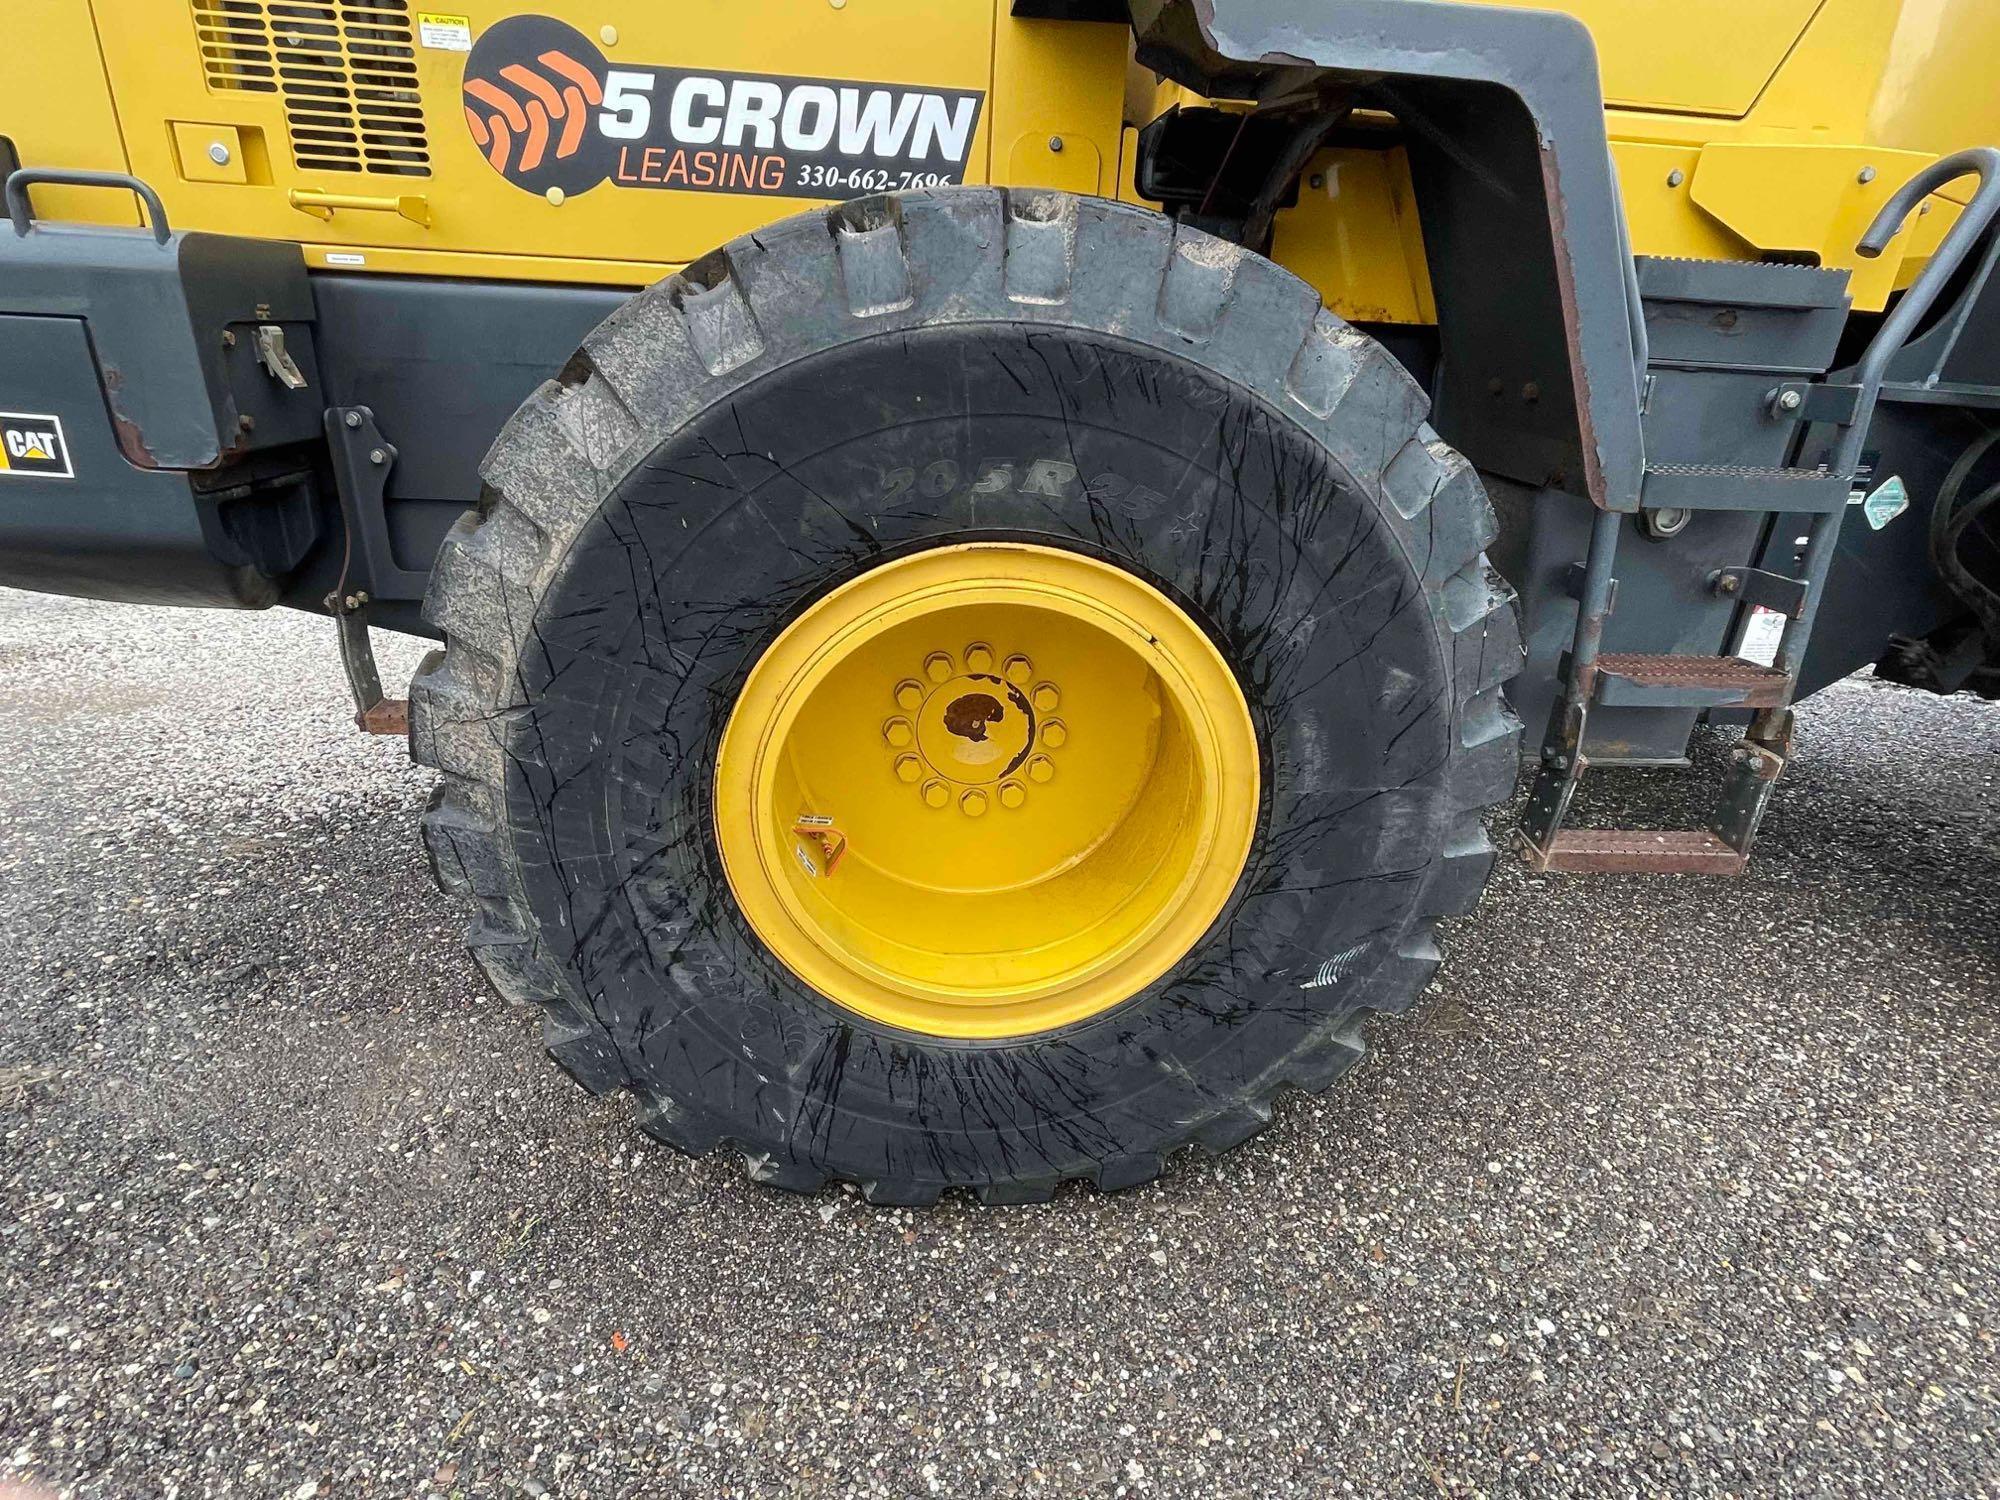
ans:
(373, 712)
(362, 458)
(1755, 764)
(1760, 589)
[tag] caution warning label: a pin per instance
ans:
(32, 447)
(549, 112)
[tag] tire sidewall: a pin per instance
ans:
(714, 541)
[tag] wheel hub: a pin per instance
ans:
(975, 730)
(986, 790)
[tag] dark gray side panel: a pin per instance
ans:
(112, 531)
(442, 365)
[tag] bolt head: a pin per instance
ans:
(1868, 175)
(1042, 769)
(898, 733)
(1728, 583)
(1055, 734)
(979, 657)
(1018, 670)
(378, 456)
(1790, 401)
(218, 153)
(937, 666)
(229, 338)
(1045, 697)
(973, 804)
(1676, 177)
(353, 419)
(909, 695)
(909, 769)
(936, 794)
(1012, 794)
(1055, 143)
(1666, 521)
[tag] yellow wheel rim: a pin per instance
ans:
(987, 790)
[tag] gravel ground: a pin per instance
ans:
(1669, 1186)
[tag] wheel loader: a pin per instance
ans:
(989, 562)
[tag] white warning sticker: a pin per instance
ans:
(444, 33)
(1760, 636)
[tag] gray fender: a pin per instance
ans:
(1523, 225)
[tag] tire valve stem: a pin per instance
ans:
(817, 829)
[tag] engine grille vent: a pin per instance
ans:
(345, 69)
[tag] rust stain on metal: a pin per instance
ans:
(131, 439)
(1752, 685)
(1593, 463)
(389, 716)
(1622, 852)
(968, 715)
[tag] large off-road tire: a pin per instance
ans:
(854, 388)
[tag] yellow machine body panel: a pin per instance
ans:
(1709, 57)
(55, 106)
(370, 131)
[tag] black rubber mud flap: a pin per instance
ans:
(849, 386)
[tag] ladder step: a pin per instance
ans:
(1634, 680)
(1728, 487)
(1608, 851)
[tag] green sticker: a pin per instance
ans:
(1887, 503)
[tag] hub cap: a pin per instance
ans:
(987, 790)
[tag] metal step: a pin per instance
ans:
(1728, 487)
(1621, 851)
(1633, 680)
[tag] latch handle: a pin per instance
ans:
(277, 359)
(411, 206)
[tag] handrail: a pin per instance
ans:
(1982, 162)
(22, 178)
